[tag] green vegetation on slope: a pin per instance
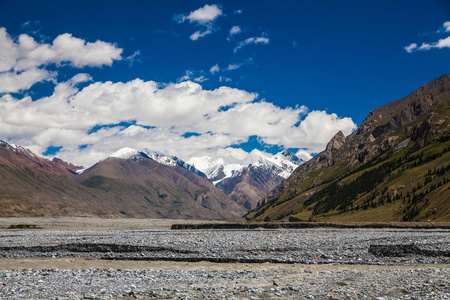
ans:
(401, 175)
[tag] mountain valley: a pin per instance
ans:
(394, 167)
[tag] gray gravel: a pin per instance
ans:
(300, 246)
(349, 246)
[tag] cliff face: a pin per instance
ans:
(400, 128)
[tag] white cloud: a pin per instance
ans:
(187, 76)
(65, 48)
(238, 12)
(233, 67)
(134, 57)
(203, 15)
(411, 47)
(8, 51)
(23, 62)
(302, 154)
(196, 35)
(235, 30)
(12, 82)
(440, 44)
(214, 69)
(200, 79)
(225, 79)
(158, 116)
(194, 75)
(251, 40)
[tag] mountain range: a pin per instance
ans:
(394, 167)
(135, 183)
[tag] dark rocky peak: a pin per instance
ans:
(336, 142)
(290, 156)
(398, 113)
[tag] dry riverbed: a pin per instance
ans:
(88, 258)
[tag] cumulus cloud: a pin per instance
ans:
(64, 49)
(235, 30)
(12, 82)
(204, 17)
(23, 61)
(445, 27)
(251, 40)
(302, 154)
(411, 47)
(198, 34)
(106, 116)
(214, 69)
(440, 44)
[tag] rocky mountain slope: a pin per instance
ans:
(248, 179)
(163, 190)
(394, 167)
(34, 186)
(116, 187)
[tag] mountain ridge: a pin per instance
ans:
(412, 127)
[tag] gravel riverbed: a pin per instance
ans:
(254, 264)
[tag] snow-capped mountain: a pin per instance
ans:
(245, 177)
(248, 178)
(22, 157)
(221, 167)
(171, 161)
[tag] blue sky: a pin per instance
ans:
(279, 63)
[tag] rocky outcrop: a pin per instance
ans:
(335, 143)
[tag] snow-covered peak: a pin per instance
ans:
(171, 161)
(161, 158)
(225, 166)
(17, 148)
(125, 153)
(287, 155)
(4, 144)
(167, 160)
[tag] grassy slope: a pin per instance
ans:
(391, 198)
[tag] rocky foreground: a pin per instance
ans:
(239, 264)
